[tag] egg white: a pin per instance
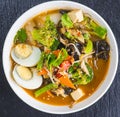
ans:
(34, 83)
(30, 61)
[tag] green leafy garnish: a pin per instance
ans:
(85, 79)
(77, 74)
(94, 28)
(89, 47)
(66, 21)
(47, 35)
(21, 36)
(98, 30)
(55, 44)
(41, 61)
(86, 36)
(73, 68)
(45, 88)
(50, 60)
(62, 56)
(68, 35)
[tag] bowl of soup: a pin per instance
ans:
(60, 57)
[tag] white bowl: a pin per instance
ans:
(50, 108)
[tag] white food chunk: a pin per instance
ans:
(84, 67)
(76, 16)
(61, 92)
(55, 17)
(77, 94)
(29, 27)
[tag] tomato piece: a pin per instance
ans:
(65, 65)
(58, 75)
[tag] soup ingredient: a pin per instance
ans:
(27, 78)
(29, 28)
(41, 61)
(55, 17)
(63, 11)
(66, 21)
(65, 65)
(51, 60)
(42, 72)
(96, 29)
(45, 88)
(21, 36)
(77, 94)
(102, 49)
(24, 72)
(61, 56)
(68, 90)
(89, 47)
(47, 35)
(76, 16)
(22, 51)
(85, 78)
(25, 55)
(60, 92)
(66, 81)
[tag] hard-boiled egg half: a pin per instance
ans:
(26, 55)
(26, 77)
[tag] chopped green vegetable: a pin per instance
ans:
(95, 28)
(45, 88)
(47, 35)
(55, 45)
(21, 36)
(41, 61)
(98, 30)
(77, 74)
(62, 56)
(89, 47)
(73, 68)
(68, 35)
(86, 36)
(85, 79)
(66, 21)
(49, 60)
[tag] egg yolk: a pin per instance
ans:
(23, 50)
(24, 72)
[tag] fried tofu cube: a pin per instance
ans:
(77, 94)
(76, 16)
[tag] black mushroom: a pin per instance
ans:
(46, 81)
(102, 49)
(61, 45)
(62, 38)
(75, 50)
(63, 11)
(67, 90)
(79, 46)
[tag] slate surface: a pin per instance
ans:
(12, 106)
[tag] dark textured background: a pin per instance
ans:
(12, 106)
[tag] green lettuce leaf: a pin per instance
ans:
(66, 21)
